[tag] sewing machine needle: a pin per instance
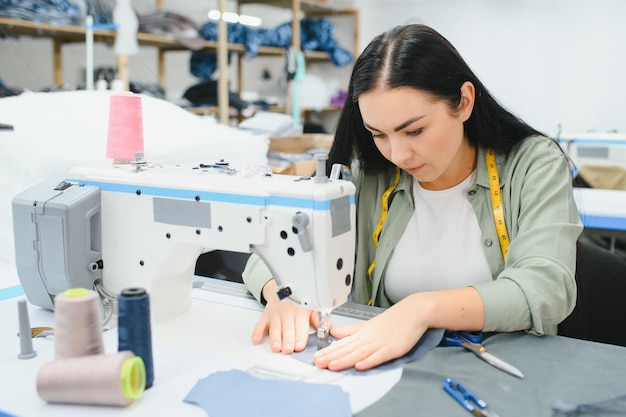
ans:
(323, 330)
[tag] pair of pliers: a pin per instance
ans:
(469, 401)
(471, 341)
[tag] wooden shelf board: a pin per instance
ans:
(74, 34)
(67, 33)
(305, 5)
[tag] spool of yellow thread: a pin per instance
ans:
(78, 324)
(111, 380)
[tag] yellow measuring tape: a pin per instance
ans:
(496, 202)
(381, 222)
(385, 208)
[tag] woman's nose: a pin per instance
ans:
(400, 152)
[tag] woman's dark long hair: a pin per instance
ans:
(419, 57)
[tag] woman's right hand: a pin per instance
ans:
(286, 323)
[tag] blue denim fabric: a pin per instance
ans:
(58, 12)
(315, 35)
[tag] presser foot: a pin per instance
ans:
(322, 338)
(323, 331)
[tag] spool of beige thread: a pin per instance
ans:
(78, 324)
(113, 380)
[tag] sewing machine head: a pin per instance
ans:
(146, 227)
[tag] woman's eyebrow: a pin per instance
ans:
(400, 127)
(408, 122)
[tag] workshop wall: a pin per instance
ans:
(552, 62)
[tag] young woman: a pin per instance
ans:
(465, 214)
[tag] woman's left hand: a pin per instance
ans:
(387, 336)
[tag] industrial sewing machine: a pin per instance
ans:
(595, 148)
(143, 225)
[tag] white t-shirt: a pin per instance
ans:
(441, 247)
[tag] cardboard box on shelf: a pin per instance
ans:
(296, 152)
(288, 169)
(301, 143)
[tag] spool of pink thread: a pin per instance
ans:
(125, 135)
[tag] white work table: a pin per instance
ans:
(214, 335)
(603, 212)
(601, 209)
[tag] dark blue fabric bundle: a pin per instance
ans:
(315, 35)
(60, 12)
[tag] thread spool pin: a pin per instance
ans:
(320, 168)
(139, 162)
(26, 340)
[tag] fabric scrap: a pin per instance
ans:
(220, 395)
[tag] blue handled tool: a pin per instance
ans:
(471, 341)
(451, 338)
(468, 400)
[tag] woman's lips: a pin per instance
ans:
(415, 170)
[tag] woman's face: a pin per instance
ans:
(421, 134)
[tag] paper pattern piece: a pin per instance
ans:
(428, 342)
(238, 394)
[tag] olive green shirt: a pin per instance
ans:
(535, 288)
